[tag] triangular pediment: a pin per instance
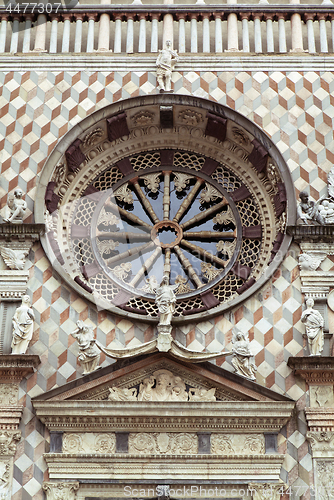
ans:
(126, 380)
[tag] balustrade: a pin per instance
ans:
(198, 28)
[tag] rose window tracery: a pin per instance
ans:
(143, 201)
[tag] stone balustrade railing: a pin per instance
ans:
(200, 28)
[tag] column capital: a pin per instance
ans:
(263, 491)
(65, 491)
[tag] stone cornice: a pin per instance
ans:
(14, 367)
(314, 369)
(313, 233)
(10, 416)
(320, 419)
(163, 416)
(233, 61)
(10, 232)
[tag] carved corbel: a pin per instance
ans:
(65, 491)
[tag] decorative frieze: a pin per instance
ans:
(89, 442)
(63, 491)
(237, 444)
(163, 443)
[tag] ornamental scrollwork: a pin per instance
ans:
(163, 443)
(8, 442)
(60, 491)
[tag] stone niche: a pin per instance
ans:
(193, 421)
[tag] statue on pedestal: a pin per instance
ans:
(314, 324)
(165, 299)
(166, 61)
(242, 355)
(89, 354)
(16, 207)
(23, 326)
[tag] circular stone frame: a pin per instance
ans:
(172, 121)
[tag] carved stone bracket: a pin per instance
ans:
(14, 367)
(314, 369)
(65, 491)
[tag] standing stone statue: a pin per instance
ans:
(308, 210)
(166, 61)
(242, 355)
(23, 326)
(314, 324)
(165, 299)
(16, 207)
(89, 353)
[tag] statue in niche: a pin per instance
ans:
(16, 207)
(89, 354)
(23, 326)
(308, 210)
(242, 355)
(314, 324)
(165, 299)
(166, 61)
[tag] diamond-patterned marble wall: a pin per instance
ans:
(37, 108)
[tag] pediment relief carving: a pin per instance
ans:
(135, 381)
(162, 382)
(162, 385)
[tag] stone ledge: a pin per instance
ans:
(313, 369)
(10, 232)
(312, 233)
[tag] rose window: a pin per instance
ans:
(200, 200)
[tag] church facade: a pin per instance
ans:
(166, 243)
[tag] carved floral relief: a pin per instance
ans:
(163, 443)
(61, 491)
(89, 442)
(8, 394)
(237, 444)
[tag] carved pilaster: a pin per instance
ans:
(65, 491)
(8, 442)
(15, 244)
